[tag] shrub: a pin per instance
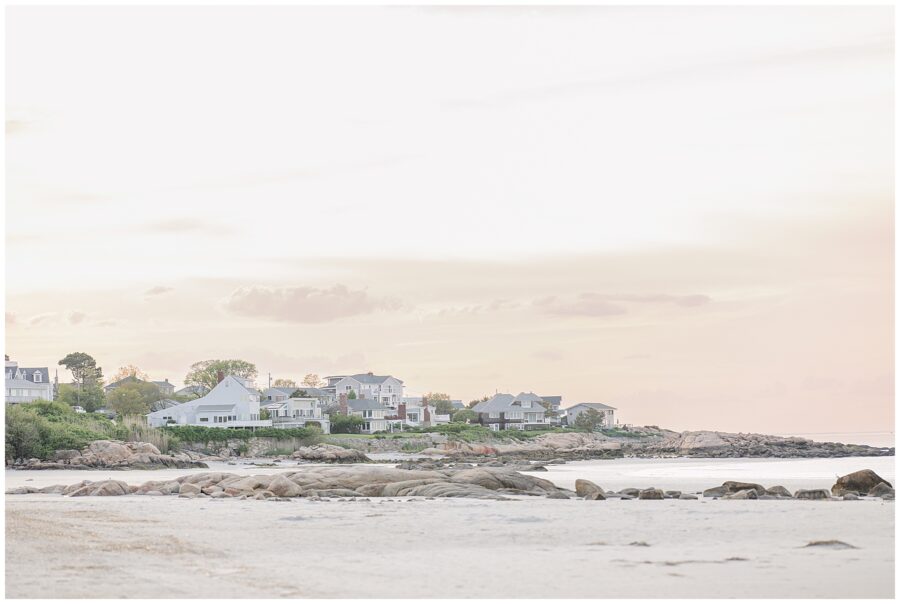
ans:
(202, 434)
(41, 428)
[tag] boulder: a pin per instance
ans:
(850, 496)
(104, 488)
(861, 481)
(715, 492)
(187, 487)
(583, 488)
(630, 492)
(687, 496)
(651, 494)
(778, 491)
(745, 494)
(329, 454)
(732, 486)
(280, 486)
(673, 494)
(814, 494)
(881, 489)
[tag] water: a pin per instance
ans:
(873, 439)
(688, 474)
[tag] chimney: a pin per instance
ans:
(401, 411)
(370, 373)
(220, 375)
(342, 402)
(427, 418)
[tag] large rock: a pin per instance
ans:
(732, 486)
(282, 487)
(715, 492)
(745, 494)
(104, 488)
(117, 455)
(585, 488)
(815, 494)
(329, 454)
(778, 491)
(882, 489)
(861, 481)
(651, 494)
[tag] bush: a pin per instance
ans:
(202, 434)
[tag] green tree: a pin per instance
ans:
(83, 367)
(133, 398)
(464, 415)
(476, 401)
(589, 421)
(91, 397)
(205, 373)
(346, 424)
(441, 402)
(352, 394)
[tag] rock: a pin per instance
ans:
(559, 495)
(329, 454)
(745, 494)
(673, 494)
(188, 487)
(850, 496)
(814, 494)
(861, 481)
(280, 486)
(687, 496)
(583, 488)
(598, 496)
(732, 486)
(778, 491)
(881, 489)
(651, 494)
(715, 492)
(630, 492)
(104, 488)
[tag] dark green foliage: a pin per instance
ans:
(589, 421)
(464, 415)
(346, 424)
(202, 434)
(39, 429)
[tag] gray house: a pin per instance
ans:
(524, 411)
(27, 384)
(608, 413)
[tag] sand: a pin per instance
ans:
(153, 547)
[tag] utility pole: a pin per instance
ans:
(270, 379)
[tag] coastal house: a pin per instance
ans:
(524, 411)
(608, 413)
(165, 388)
(385, 389)
(277, 394)
(298, 413)
(371, 411)
(191, 391)
(233, 403)
(27, 384)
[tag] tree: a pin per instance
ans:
(83, 367)
(299, 393)
(312, 380)
(129, 371)
(476, 401)
(205, 373)
(264, 413)
(91, 397)
(283, 383)
(352, 394)
(464, 416)
(133, 398)
(346, 424)
(589, 421)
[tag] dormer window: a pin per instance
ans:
(37, 376)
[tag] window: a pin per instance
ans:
(495, 415)
(204, 419)
(37, 376)
(366, 426)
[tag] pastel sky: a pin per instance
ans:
(686, 213)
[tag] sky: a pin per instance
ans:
(685, 213)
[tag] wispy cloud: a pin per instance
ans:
(74, 317)
(10, 319)
(158, 291)
(42, 318)
(305, 304)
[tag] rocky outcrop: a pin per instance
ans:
(723, 444)
(344, 481)
(861, 481)
(114, 455)
(329, 454)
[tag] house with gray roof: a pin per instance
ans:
(524, 411)
(386, 389)
(233, 403)
(371, 411)
(27, 384)
(608, 413)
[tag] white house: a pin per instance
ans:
(507, 412)
(608, 413)
(27, 384)
(233, 403)
(372, 412)
(298, 413)
(385, 389)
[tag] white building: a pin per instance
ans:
(608, 413)
(298, 413)
(385, 389)
(27, 384)
(507, 412)
(372, 412)
(233, 403)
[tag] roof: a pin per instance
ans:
(363, 404)
(504, 402)
(597, 406)
(289, 390)
(368, 378)
(553, 400)
(13, 383)
(191, 390)
(273, 406)
(457, 404)
(125, 380)
(163, 404)
(529, 396)
(162, 383)
(28, 373)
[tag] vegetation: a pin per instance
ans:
(202, 434)
(464, 416)
(40, 428)
(312, 380)
(346, 424)
(133, 398)
(283, 383)
(140, 431)
(205, 373)
(352, 394)
(129, 371)
(476, 401)
(589, 421)
(88, 381)
(90, 397)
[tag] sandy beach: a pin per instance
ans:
(402, 547)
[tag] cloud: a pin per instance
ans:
(10, 319)
(584, 305)
(42, 318)
(304, 304)
(74, 317)
(158, 290)
(691, 300)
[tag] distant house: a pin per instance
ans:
(298, 413)
(609, 413)
(191, 391)
(278, 393)
(385, 389)
(163, 403)
(233, 403)
(523, 411)
(165, 388)
(457, 405)
(371, 411)
(27, 384)
(553, 402)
